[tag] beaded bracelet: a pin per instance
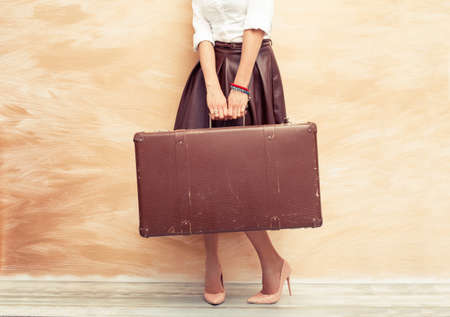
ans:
(240, 88)
(235, 85)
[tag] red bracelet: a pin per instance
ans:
(232, 84)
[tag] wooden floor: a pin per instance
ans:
(59, 298)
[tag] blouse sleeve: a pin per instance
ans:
(259, 15)
(202, 28)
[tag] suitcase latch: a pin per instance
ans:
(275, 223)
(186, 227)
(144, 231)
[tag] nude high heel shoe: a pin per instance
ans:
(261, 298)
(215, 298)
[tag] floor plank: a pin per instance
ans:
(95, 298)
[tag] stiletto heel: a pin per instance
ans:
(289, 286)
(261, 298)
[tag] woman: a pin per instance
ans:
(237, 68)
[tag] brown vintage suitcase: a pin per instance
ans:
(226, 179)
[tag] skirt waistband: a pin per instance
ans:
(265, 42)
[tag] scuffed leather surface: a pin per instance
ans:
(227, 179)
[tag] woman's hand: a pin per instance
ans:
(237, 104)
(216, 102)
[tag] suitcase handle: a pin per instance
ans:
(243, 121)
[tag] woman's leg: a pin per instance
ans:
(271, 261)
(212, 264)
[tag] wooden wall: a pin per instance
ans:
(78, 78)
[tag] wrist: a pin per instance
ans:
(242, 83)
(241, 79)
(213, 86)
(239, 88)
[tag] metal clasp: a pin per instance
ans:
(186, 227)
(275, 223)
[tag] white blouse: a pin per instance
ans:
(226, 20)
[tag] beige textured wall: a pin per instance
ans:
(78, 78)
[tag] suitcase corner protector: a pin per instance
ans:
(316, 222)
(144, 231)
(138, 136)
(312, 127)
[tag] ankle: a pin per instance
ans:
(271, 262)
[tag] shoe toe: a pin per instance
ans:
(255, 298)
(215, 299)
(261, 298)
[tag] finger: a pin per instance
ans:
(211, 113)
(242, 111)
(244, 107)
(221, 110)
(216, 112)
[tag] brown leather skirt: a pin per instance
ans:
(266, 105)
